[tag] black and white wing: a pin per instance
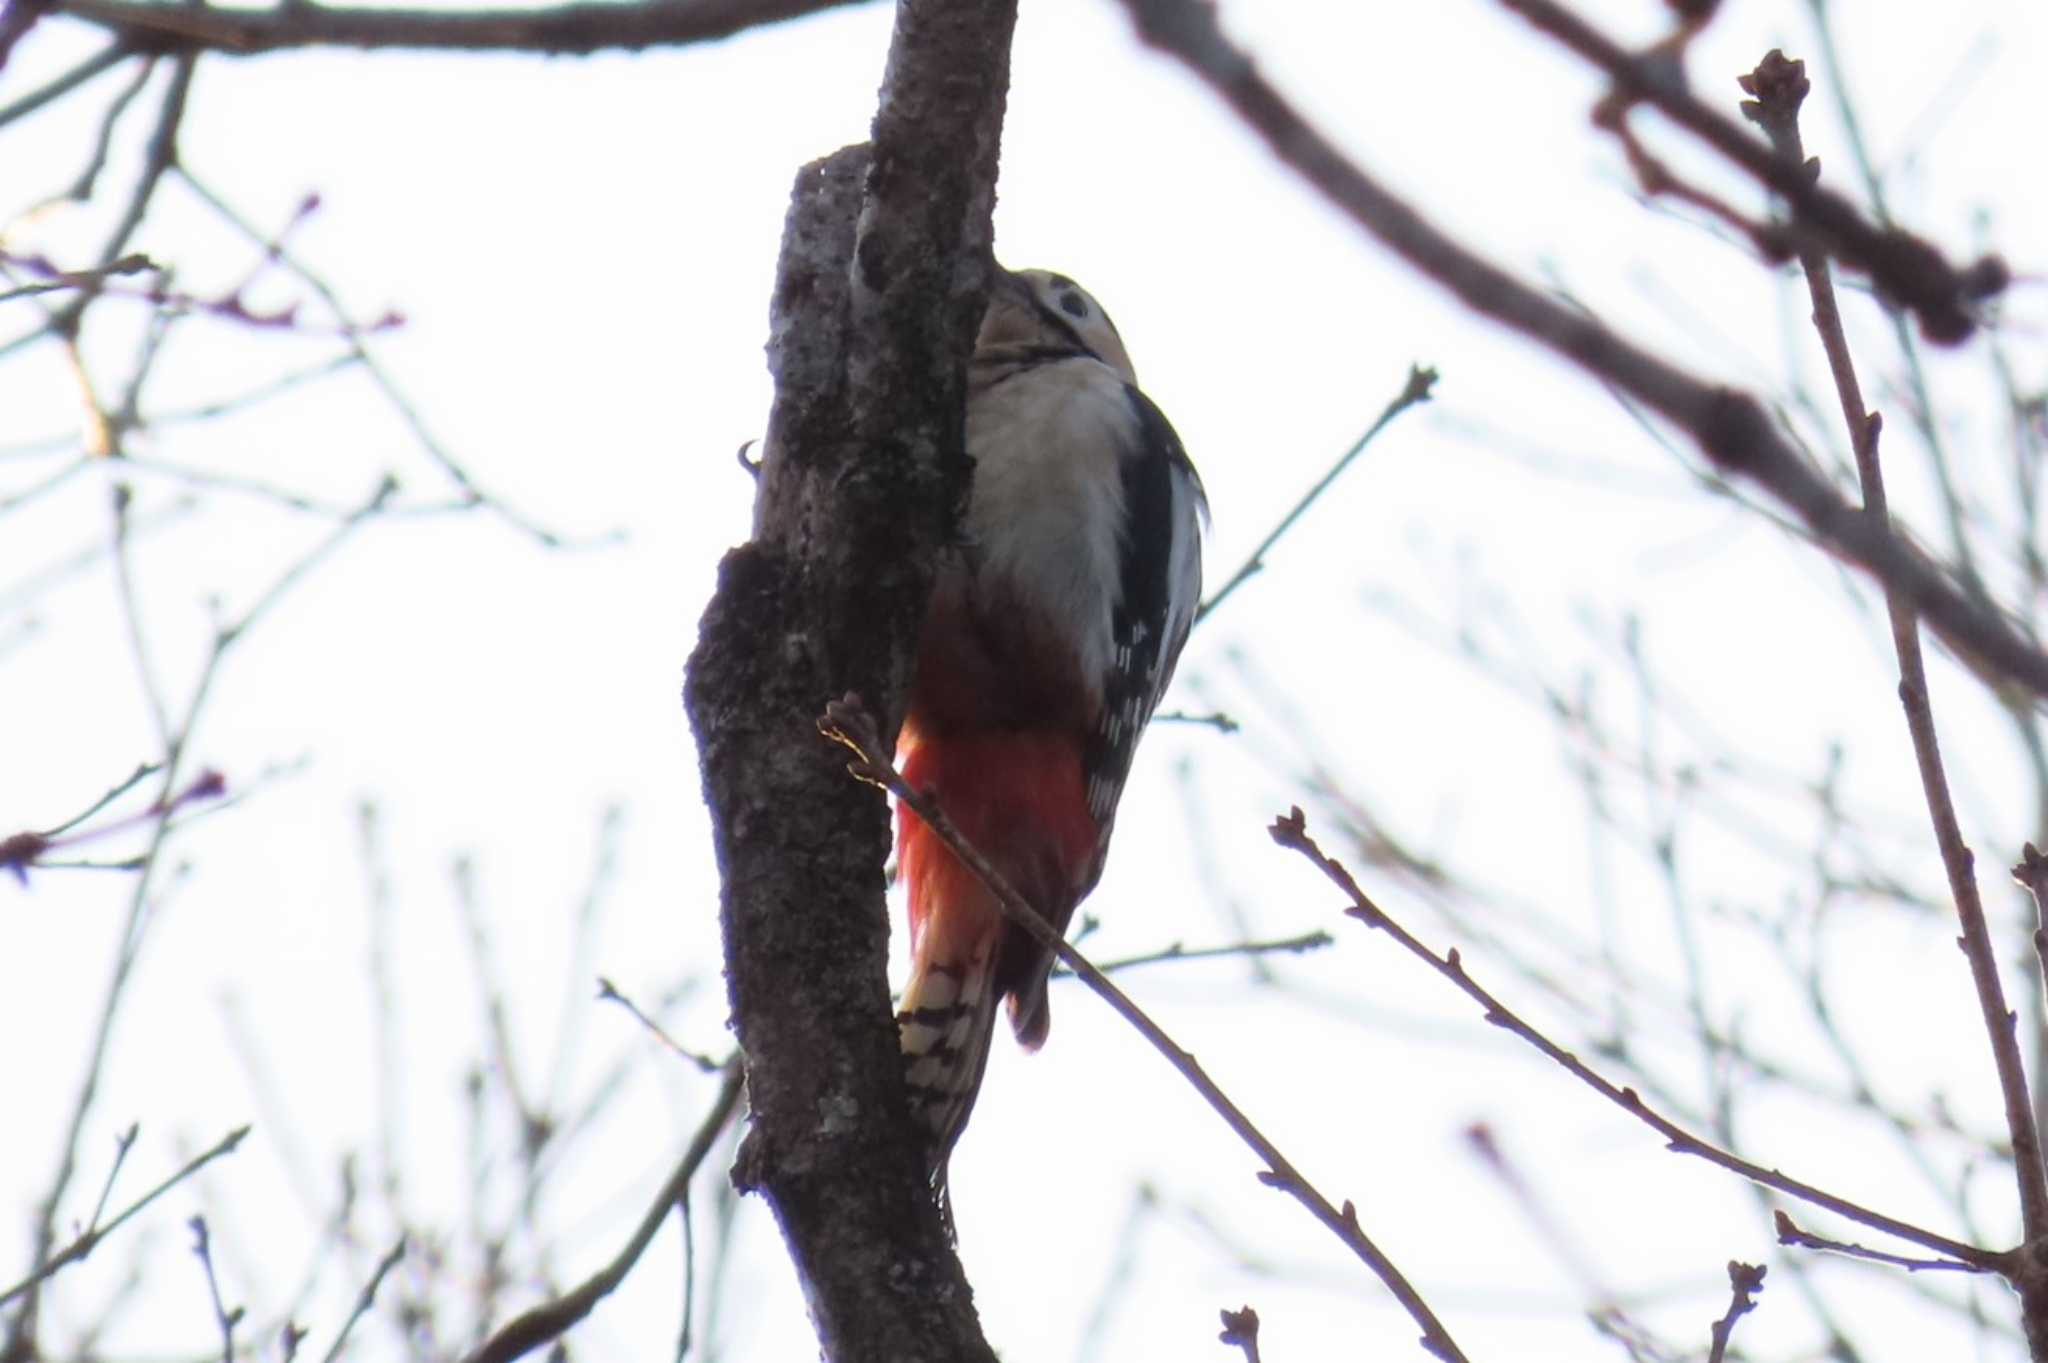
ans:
(1159, 590)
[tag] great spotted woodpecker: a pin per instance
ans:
(1052, 632)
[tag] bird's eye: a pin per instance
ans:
(1074, 305)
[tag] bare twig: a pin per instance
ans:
(90, 1237)
(159, 155)
(1790, 1233)
(123, 1143)
(1602, 1302)
(1291, 831)
(132, 616)
(1770, 240)
(365, 1299)
(263, 392)
(848, 722)
(60, 280)
(386, 488)
(227, 1319)
(20, 851)
(686, 1331)
(145, 900)
(1733, 429)
(1293, 946)
(1744, 1282)
(71, 468)
(2032, 872)
(1217, 720)
(610, 992)
(1241, 1331)
(1779, 86)
(548, 1321)
(356, 335)
(81, 188)
(569, 28)
(127, 783)
(108, 57)
(1416, 390)
(535, 1124)
(1902, 265)
(590, 910)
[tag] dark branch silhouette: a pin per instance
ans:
(144, 26)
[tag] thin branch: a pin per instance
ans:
(684, 1332)
(847, 722)
(61, 280)
(127, 783)
(1790, 1233)
(560, 29)
(1769, 240)
(547, 1322)
(386, 487)
(132, 616)
(366, 1298)
(1217, 720)
(1414, 392)
(386, 1010)
(535, 1125)
(143, 903)
(108, 57)
(15, 22)
(356, 335)
(1779, 86)
(610, 993)
(1903, 266)
(262, 392)
(81, 188)
(123, 1143)
(1241, 1331)
(159, 155)
(1293, 946)
(71, 468)
(1733, 429)
(1744, 1282)
(1291, 831)
(90, 1237)
(2032, 873)
(226, 1319)
(1602, 1302)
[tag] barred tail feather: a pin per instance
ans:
(1018, 797)
(948, 1018)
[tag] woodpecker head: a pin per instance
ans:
(1036, 310)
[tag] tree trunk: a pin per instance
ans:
(883, 276)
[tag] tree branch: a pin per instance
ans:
(88, 1239)
(1414, 391)
(1744, 1282)
(1904, 267)
(1779, 87)
(551, 1319)
(1291, 831)
(1732, 428)
(571, 29)
(848, 723)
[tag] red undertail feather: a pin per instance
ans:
(1018, 797)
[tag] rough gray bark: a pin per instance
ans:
(884, 273)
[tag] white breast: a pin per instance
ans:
(1048, 500)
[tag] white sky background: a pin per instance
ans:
(583, 251)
